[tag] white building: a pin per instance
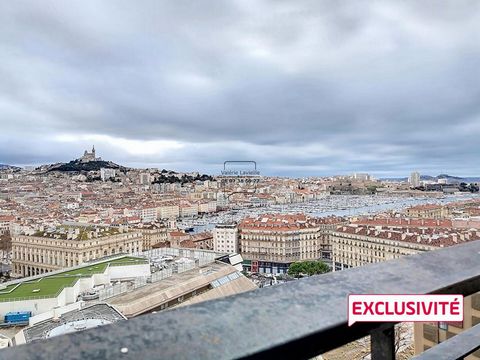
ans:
(168, 210)
(148, 214)
(106, 173)
(71, 206)
(5, 223)
(45, 292)
(414, 179)
(207, 207)
(361, 176)
(225, 238)
(188, 209)
(145, 179)
(222, 200)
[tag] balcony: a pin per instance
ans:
(297, 320)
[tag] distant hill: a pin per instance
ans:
(79, 166)
(449, 178)
(8, 167)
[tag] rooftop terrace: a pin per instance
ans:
(51, 285)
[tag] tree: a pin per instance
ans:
(309, 268)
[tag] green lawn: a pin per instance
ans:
(51, 285)
(47, 287)
(128, 260)
(86, 271)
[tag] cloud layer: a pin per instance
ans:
(304, 87)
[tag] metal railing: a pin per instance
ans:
(457, 347)
(296, 320)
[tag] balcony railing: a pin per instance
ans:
(296, 320)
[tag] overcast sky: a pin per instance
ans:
(302, 87)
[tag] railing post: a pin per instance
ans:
(383, 344)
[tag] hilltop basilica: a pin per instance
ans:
(89, 156)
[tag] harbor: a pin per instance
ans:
(331, 205)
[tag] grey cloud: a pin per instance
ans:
(305, 87)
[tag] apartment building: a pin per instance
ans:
(414, 179)
(55, 249)
(271, 242)
(357, 245)
(146, 213)
(188, 209)
(433, 333)
(327, 225)
(6, 223)
(152, 234)
(395, 223)
(427, 211)
(176, 238)
(225, 238)
(207, 206)
(202, 240)
(168, 210)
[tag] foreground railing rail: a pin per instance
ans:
(297, 320)
(455, 348)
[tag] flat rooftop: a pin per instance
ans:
(151, 296)
(77, 232)
(51, 285)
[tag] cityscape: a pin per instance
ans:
(222, 180)
(154, 232)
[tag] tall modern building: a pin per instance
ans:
(225, 238)
(145, 179)
(414, 179)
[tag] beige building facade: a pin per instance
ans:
(34, 255)
(427, 211)
(152, 235)
(431, 334)
(272, 242)
(356, 245)
(169, 210)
